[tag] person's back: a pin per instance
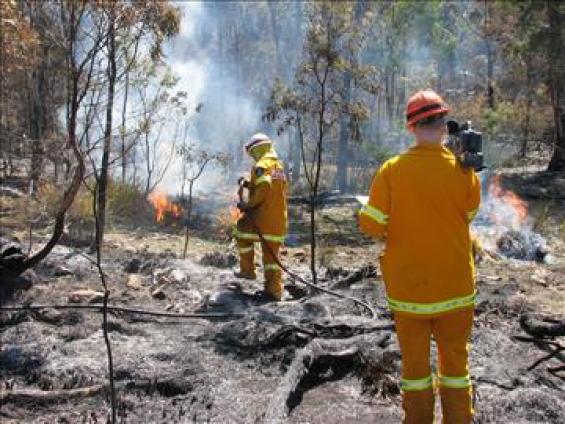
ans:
(428, 240)
(422, 202)
(271, 215)
(264, 215)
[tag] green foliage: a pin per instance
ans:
(377, 153)
(49, 198)
(500, 122)
(126, 200)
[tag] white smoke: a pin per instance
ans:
(227, 115)
(503, 224)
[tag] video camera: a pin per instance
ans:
(466, 144)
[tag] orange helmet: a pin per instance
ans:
(424, 104)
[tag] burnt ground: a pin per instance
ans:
(312, 358)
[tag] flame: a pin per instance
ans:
(517, 206)
(235, 213)
(163, 205)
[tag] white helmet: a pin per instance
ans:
(257, 140)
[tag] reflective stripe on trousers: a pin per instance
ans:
(255, 237)
(416, 384)
(432, 308)
(427, 382)
(244, 250)
(272, 267)
(455, 382)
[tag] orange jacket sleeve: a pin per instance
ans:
(474, 196)
(373, 217)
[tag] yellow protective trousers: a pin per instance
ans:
(272, 272)
(451, 333)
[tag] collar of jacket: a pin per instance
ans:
(430, 149)
(272, 154)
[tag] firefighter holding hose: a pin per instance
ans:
(264, 215)
(422, 202)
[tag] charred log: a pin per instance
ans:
(324, 198)
(321, 361)
(38, 397)
(166, 387)
(294, 335)
(539, 326)
(369, 271)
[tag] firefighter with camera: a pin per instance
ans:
(422, 203)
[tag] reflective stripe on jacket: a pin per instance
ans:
(422, 201)
(267, 200)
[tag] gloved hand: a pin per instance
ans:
(242, 206)
(243, 182)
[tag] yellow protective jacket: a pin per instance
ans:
(423, 201)
(267, 204)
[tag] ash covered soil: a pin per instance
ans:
(311, 358)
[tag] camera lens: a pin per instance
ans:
(452, 127)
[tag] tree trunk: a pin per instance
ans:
(346, 123)
(344, 130)
(73, 104)
(296, 151)
(123, 129)
(134, 166)
(296, 157)
(447, 63)
(39, 113)
(526, 123)
(37, 127)
(557, 82)
(490, 72)
(103, 182)
(315, 183)
(401, 100)
(149, 167)
(276, 38)
(188, 217)
(490, 60)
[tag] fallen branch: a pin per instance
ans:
(42, 396)
(542, 326)
(96, 306)
(545, 345)
(553, 354)
(495, 383)
(325, 198)
(282, 335)
(310, 368)
(535, 340)
(369, 271)
(555, 370)
(295, 335)
(348, 330)
(167, 387)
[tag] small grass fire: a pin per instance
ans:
(505, 226)
(164, 207)
(510, 206)
(235, 214)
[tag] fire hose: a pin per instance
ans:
(114, 308)
(295, 276)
